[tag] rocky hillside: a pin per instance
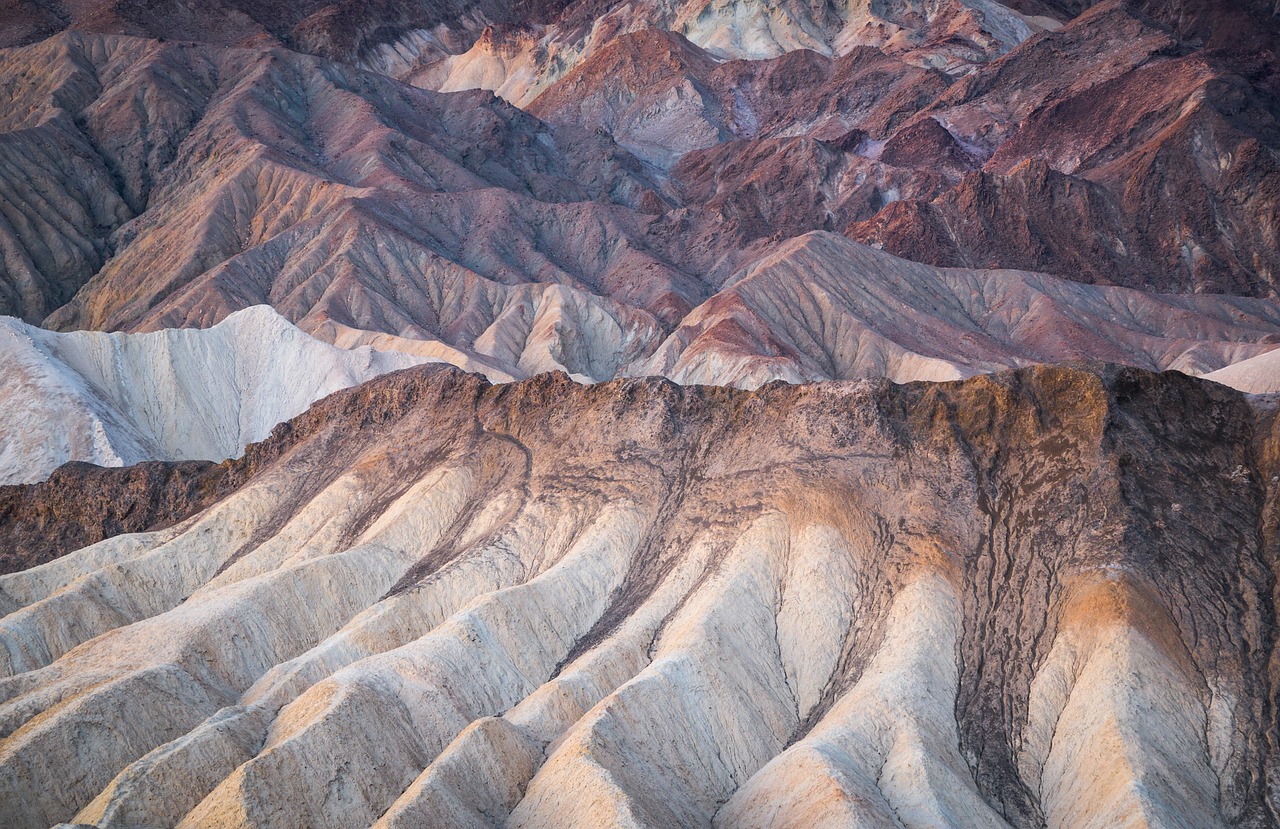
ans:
(118, 399)
(662, 148)
(1039, 598)
(820, 307)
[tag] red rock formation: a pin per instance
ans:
(1150, 154)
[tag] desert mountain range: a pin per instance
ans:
(709, 414)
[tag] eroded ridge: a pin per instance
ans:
(1041, 598)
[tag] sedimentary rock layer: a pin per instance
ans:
(82, 503)
(822, 307)
(1038, 598)
(819, 307)
(253, 176)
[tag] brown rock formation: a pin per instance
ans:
(82, 504)
(1124, 147)
(1125, 160)
(1030, 599)
(277, 178)
(337, 29)
(821, 307)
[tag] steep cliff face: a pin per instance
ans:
(1037, 598)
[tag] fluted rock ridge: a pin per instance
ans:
(1037, 598)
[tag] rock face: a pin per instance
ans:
(818, 307)
(118, 399)
(662, 97)
(81, 504)
(625, 578)
(1256, 375)
(520, 62)
(268, 177)
(1037, 598)
(456, 227)
(338, 29)
(1127, 143)
(1138, 153)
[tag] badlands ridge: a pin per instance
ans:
(1044, 597)
(821, 307)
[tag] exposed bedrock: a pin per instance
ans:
(120, 399)
(1040, 598)
(216, 178)
(147, 184)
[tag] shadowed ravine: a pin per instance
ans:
(1043, 597)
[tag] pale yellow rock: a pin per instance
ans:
(886, 754)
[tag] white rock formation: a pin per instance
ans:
(118, 399)
(1256, 375)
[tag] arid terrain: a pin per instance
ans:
(709, 414)
(1040, 598)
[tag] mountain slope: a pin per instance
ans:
(248, 176)
(819, 307)
(1257, 375)
(1037, 598)
(822, 307)
(152, 185)
(520, 62)
(336, 29)
(119, 399)
(661, 97)
(1116, 153)
(929, 591)
(1157, 123)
